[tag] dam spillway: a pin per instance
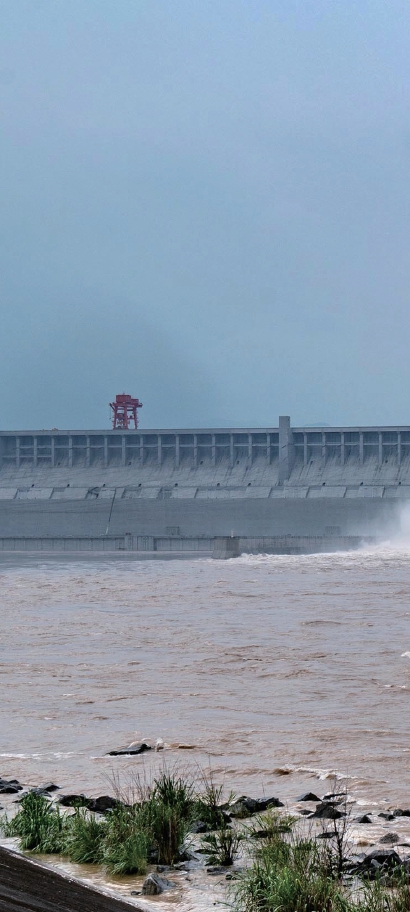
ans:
(200, 484)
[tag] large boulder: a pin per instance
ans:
(102, 804)
(326, 810)
(10, 786)
(379, 861)
(154, 885)
(246, 807)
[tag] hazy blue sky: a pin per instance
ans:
(205, 203)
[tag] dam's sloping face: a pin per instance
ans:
(204, 482)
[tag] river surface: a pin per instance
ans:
(274, 671)
(259, 665)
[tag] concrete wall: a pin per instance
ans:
(205, 518)
(204, 482)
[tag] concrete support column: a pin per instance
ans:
(213, 450)
(250, 449)
(305, 450)
(285, 448)
(35, 451)
(323, 448)
(105, 452)
(142, 450)
(53, 452)
(361, 450)
(398, 448)
(159, 449)
(70, 452)
(380, 448)
(196, 451)
(177, 451)
(123, 450)
(18, 452)
(342, 449)
(231, 450)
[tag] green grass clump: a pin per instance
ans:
(83, 838)
(166, 815)
(39, 826)
(380, 897)
(126, 841)
(289, 877)
(222, 846)
(208, 805)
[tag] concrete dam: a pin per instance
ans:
(210, 490)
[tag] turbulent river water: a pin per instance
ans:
(275, 671)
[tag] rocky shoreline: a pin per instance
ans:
(375, 843)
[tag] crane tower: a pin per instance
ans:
(124, 412)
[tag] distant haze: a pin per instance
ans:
(206, 204)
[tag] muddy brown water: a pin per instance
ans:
(276, 672)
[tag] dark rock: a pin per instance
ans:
(135, 893)
(261, 834)
(397, 812)
(327, 811)
(185, 855)
(50, 787)
(308, 796)
(162, 868)
(386, 858)
(198, 826)
(13, 782)
(305, 812)
(331, 796)
(406, 812)
(74, 801)
(131, 750)
(387, 815)
(363, 819)
(41, 790)
(216, 869)
(10, 789)
(154, 885)
(328, 834)
(102, 804)
(246, 807)
(389, 839)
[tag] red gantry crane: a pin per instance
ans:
(124, 412)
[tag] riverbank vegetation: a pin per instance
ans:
(152, 828)
(285, 864)
(292, 871)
